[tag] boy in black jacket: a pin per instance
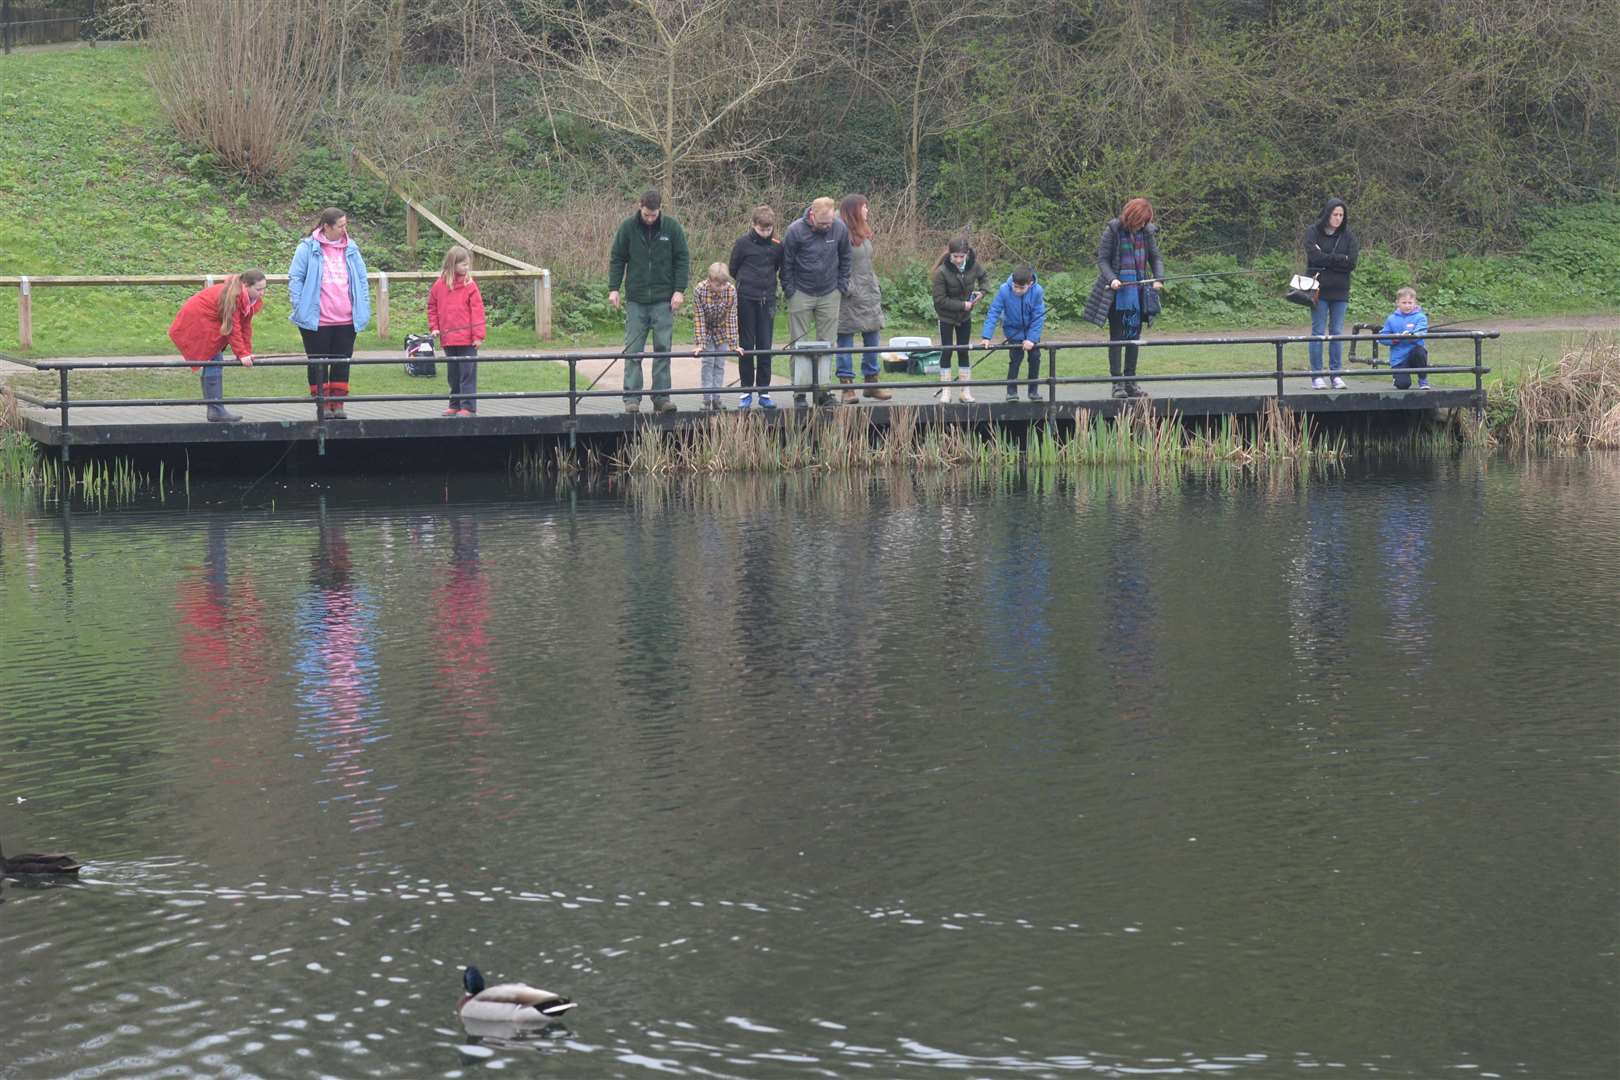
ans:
(756, 267)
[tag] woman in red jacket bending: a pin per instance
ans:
(456, 317)
(218, 316)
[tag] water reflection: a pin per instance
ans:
(762, 755)
(223, 642)
(1404, 544)
(336, 667)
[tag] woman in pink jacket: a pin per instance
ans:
(456, 317)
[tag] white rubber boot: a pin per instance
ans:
(944, 394)
(963, 374)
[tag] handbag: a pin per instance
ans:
(419, 356)
(1303, 289)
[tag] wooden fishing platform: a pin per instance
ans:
(507, 417)
(136, 425)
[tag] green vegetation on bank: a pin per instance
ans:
(94, 182)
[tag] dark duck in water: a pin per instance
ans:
(34, 864)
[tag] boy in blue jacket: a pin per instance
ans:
(1020, 308)
(1406, 353)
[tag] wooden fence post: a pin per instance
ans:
(382, 306)
(542, 306)
(25, 315)
(413, 228)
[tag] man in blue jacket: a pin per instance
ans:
(1020, 308)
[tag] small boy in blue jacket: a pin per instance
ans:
(1020, 308)
(1406, 354)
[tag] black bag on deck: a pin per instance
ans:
(419, 350)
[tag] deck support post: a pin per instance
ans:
(25, 314)
(382, 306)
(542, 306)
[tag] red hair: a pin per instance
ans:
(1136, 214)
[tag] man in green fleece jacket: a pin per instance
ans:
(650, 259)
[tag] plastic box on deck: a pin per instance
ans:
(900, 356)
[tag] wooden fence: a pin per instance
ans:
(26, 285)
(37, 25)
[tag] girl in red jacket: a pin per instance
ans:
(220, 315)
(456, 317)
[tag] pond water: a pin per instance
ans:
(1083, 775)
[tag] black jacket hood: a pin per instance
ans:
(1322, 219)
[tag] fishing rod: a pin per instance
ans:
(1372, 361)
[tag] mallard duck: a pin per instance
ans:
(509, 1003)
(33, 864)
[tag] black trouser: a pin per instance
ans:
(1417, 360)
(961, 332)
(463, 376)
(1017, 353)
(329, 341)
(756, 319)
(1116, 332)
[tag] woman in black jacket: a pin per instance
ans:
(1127, 254)
(1331, 252)
(756, 267)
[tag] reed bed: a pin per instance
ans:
(848, 440)
(1573, 403)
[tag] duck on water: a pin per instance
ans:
(35, 864)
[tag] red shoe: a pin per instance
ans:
(451, 412)
(464, 412)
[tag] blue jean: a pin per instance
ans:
(1327, 317)
(869, 361)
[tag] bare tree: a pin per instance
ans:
(668, 74)
(912, 54)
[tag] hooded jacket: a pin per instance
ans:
(1332, 256)
(1022, 318)
(304, 283)
(195, 330)
(1397, 323)
(756, 267)
(862, 309)
(815, 263)
(456, 311)
(952, 287)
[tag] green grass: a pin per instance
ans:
(93, 182)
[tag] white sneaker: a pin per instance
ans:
(1318, 384)
(1338, 383)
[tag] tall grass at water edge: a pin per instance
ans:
(25, 467)
(847, 439)
(1571, 403)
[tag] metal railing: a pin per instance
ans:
(26, 284)
(1278, 375)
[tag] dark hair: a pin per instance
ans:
(1023, 275)
(651, 200)
(330, 216)
(958, 245)
(1136, 214)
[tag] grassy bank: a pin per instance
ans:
(94, 182)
